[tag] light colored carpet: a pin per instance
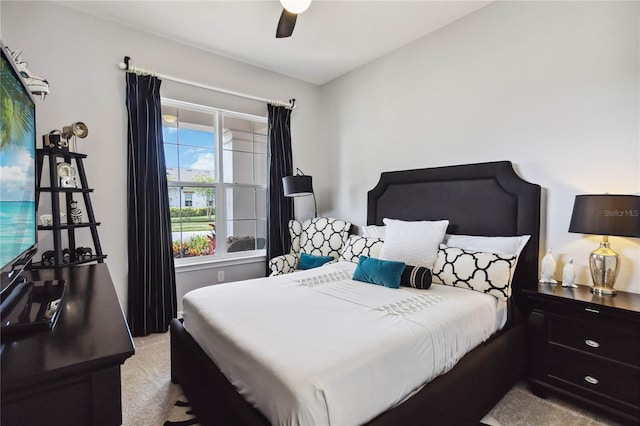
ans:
(147, 392)
(519, 407)
(148, 396)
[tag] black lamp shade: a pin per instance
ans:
(606, 215)
(297, 186)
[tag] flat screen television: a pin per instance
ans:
(18, 226)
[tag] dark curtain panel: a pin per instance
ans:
(280, 208)
(152, 287)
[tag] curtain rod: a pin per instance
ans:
(125, 66)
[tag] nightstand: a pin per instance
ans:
(586, 347)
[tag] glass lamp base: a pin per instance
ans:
(604, 264)
(603, 291)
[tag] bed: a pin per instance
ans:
(487, 199)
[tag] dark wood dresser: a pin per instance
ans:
(587, 348)
(70, 375)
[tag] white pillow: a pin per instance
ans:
(414, 243)
(499, 245)
(373, 231)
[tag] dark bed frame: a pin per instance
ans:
(487, 199)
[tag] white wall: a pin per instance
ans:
(551, 86)
(78, 54)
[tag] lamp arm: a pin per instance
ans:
(315, 205)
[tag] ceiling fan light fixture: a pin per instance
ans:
(295, 6)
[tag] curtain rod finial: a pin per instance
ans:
(293, 103)
(125, 64)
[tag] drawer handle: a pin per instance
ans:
(595, 311)
(591, 380)
(592, 343)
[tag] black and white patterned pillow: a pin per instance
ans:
(416, 277)
(484, 272)
(357, 245)
(322, 236)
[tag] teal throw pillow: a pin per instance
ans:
(309, 261)
(377, 271)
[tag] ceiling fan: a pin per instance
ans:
(290, 11)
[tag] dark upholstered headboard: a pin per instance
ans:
(487, 199)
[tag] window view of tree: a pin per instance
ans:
(206, 193)
(213, 197)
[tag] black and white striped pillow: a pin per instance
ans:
(416, 277)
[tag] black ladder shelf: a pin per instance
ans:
(63, 257)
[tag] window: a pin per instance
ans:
(217, 176)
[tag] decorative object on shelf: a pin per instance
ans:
(299, 185)
(76, 130)
(84, 253)
(46, 219)
(57, 139)
(75, 213)
(605, 215)
(48, 257)
(53, 140)
(548, 268)
(569, 275)
(66, 176)
(36, 84)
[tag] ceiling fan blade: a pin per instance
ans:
(286, 24)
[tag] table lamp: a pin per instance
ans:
(299, 185)
(605, 215)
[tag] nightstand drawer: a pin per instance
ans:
(607, 342)
(595, 375)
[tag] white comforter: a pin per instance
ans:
(317, 348)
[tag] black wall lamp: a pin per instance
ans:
(299, 185)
